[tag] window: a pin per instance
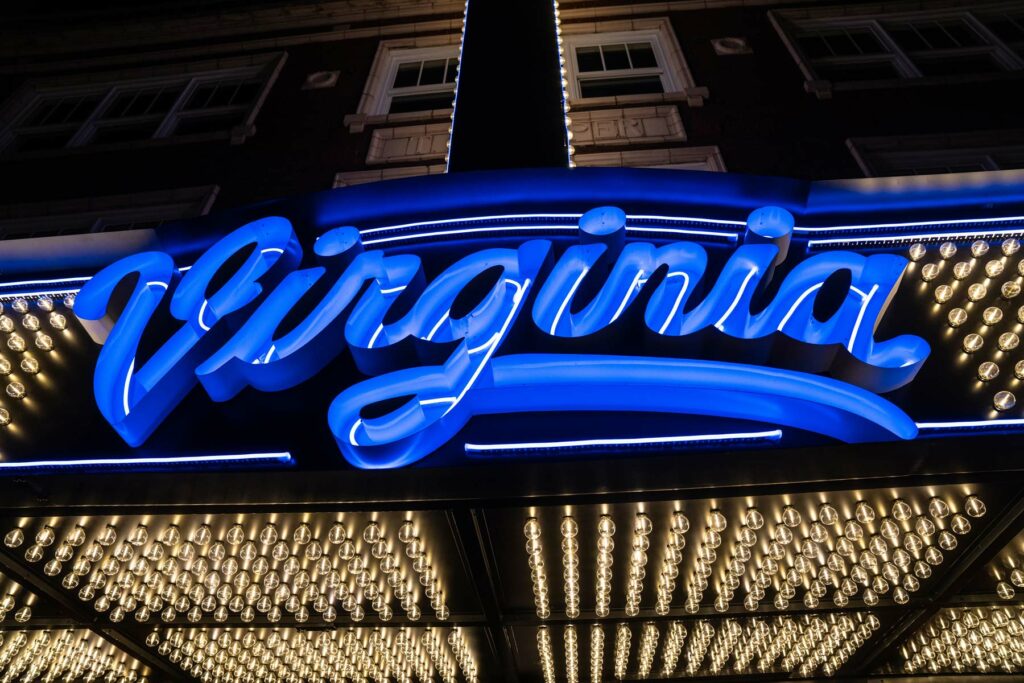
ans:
(411, 79)
(617, 69)
(933, 154)
(617, 64)
(104, 113)
(856, 48)
(423, 85)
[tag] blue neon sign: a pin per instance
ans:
(228, 339)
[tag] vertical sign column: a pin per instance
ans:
(508, 106)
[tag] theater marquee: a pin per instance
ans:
(465, 318)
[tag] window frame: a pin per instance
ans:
(420, 55)
(792, 24)
(376, 100)
(601, 40)
(108, 87)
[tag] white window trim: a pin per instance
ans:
(350, 178)
(947, 148)
(21, 103)
(788, 22)
(676, 77)
(19, 220)
(376, 99)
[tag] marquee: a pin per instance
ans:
(656, 315)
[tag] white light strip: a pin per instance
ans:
(912, 224)
(772, 435)
(59, 280)
(455, 95)
(512, 228)
(903, 239)
(973, 424)
(47, 292)
(282, 457)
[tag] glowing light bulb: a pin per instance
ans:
(943, 293)
(929, 272)
(994, 268)
(1010, 246)
(917, 251)
(16, 343)
(977, 292)
(14, 538)
(974, 506)
(16, 390)
(962, 270)
(5, 417)
(988, 371)
(947, 250)
(973, 342)
(29, 365)
(1009, 290)
(991, 315)
(1003, 401)
(44, 342)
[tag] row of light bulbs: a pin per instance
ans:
(269, 570)
(66, 655)
(565, 85)
(805, 645)
(11, 595)
(992, 315)
(242, 655)
(980, 639)
(871, 553)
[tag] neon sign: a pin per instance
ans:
(441, 369)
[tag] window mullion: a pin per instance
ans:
(904, 64)
(170, 121)
(88, 127)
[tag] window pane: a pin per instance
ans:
(615, 57)
(425, 102)
(867, 43)
(871, 71)
(907, 38)
(200, 97)
(813, 46)
(609, 87)
(589, 58)
(453, 70)
(408, 75)
(842, 45)
(433, 72)
(59, 110)
(642, 56)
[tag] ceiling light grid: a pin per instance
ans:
(65, 655)
(805, 645)
(838, 550)
(985, 640)
(317, 568)
(289, 655)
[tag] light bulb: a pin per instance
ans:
(1004, 400)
